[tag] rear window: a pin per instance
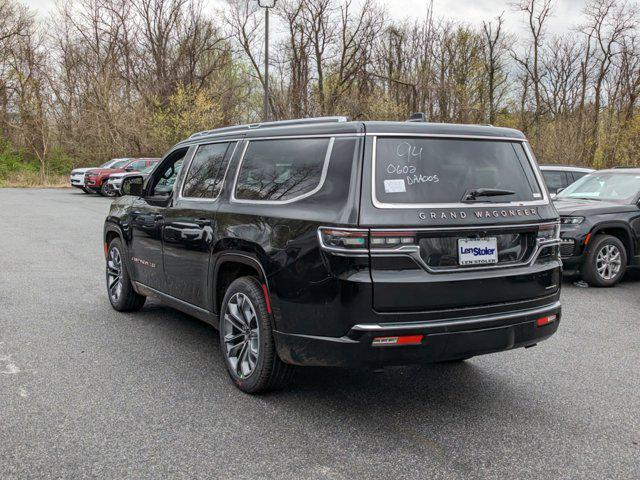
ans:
(282, 170)
(437, 170)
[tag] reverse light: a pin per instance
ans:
(399, 340)
(571, 220)
(542, 321)
(392, 239)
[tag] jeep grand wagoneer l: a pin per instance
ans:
(343, 243)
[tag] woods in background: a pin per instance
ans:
(108, 78)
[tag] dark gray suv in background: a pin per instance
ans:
(341, 243)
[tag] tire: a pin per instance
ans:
(120, 291)
(605, 263)
(105, 192)
(86, 190)
(246, 339)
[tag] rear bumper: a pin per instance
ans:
(443, 340)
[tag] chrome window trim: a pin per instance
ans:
(186, 173)
(528, 154)
(316, 189)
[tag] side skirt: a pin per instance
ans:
(173, 302)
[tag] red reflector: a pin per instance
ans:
(266, 297)
(106, 249)
(541, 322)
(402, 340)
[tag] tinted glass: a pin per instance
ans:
(554, 180)
(206, 172)
(279, 170)
(621, 187)
(578, 175)
(430, 170)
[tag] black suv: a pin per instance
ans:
(600, 217)
(340, 243)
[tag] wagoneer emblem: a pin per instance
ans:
(492, 213)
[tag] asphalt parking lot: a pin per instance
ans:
(89, 392)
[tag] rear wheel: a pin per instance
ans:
(605, 263)
(246, 339)
(119, 288)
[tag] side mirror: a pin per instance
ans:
(559, 190)
(132, 185)
(129, 169)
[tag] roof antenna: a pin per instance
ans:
(417, 117)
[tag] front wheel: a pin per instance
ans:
(605, 263)
(119, 288)
(246, 339)
(106, 192)
(87, 190)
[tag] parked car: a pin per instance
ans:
(114, 180)
(340, 243)
(600, 225)
(76, 177)
(559, 177)
(95, 179)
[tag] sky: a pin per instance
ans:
(567, 13)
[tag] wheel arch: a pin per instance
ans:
(619, 230)
(233, 265)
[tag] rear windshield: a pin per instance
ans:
(437, 170)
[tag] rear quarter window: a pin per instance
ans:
(282, 170)
(437, 170)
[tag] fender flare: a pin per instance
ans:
(237, 257)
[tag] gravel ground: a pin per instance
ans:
(89, 392)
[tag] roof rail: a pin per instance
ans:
(279, 123)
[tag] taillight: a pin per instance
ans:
(351, 240)
(392, 239)
(549, 232)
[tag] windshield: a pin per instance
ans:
(437, 170)
(612, 186)
(119, 164)
(148, 168)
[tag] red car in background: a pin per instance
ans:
(96, 178)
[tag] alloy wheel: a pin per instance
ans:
(241, 335)
(114, 274)
(608, 262)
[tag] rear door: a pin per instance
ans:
(434, 244)
(189, 226)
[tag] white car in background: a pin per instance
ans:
(114, 182)
(76, 178)
(559, 177)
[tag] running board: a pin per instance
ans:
(173, 302)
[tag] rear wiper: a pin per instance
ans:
(472, 195)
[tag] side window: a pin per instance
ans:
(282, 170)
(578, 175)
(165, 177)
(206, 171)
(138, 164)
(554, 180)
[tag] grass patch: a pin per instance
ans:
(27, 179)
